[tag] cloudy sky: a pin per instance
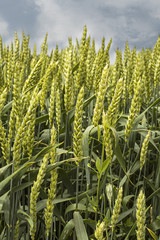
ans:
(137, 21)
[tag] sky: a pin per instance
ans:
(137, 21)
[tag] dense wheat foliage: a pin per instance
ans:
(79, 142)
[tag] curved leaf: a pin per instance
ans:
(81, 207)
(79, 227)
(152, 234)
(85, 147)
(20, 172)
(117, 150)
(67, 230)
(24, 216)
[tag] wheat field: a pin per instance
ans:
(79, 141)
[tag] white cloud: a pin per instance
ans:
(124, 4)
(3, 27)
(121, 20)
(63, 19)
(58, 21)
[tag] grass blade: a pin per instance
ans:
(79, 227)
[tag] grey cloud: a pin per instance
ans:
(3, 27)
(20, 15)
(134, 20)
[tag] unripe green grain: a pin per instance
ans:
(68, 81)
(16, 111)
(30, 134)
(1, 47)
(3, 97)
(77, 135)
(9, 72)
(51, 191)
(157, 72)
(107, 138)
(141, 216)
(25, 48)
(15, 56)
(58, 109)
(100, 98)
(117, 208)
(110, 118)
(35, 193)
(134, 109)
(136, 73)
(81, 74)
(98, 70)
(46, 84)
(144, 150)
(106, 59)
(49, 205)
(147, 85)
(89, 65)
(93, 50)
(113, 108)
(118, 64)
(52, 102)
(132, 64)
(20, 134)
(43, 46)
(44, 66)
(111, 82)
(4, 143)
(3, 139)
(83, 40)
(16, 231)
(153, 61)
(124, 85)
(126, 54)
(95, 63)
(99, 231)
(33, 77)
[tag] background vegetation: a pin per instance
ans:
(79, 142)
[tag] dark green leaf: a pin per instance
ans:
(24, 216)
(117, 150)
(79, 227)
(67, 231)
(17, 174)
